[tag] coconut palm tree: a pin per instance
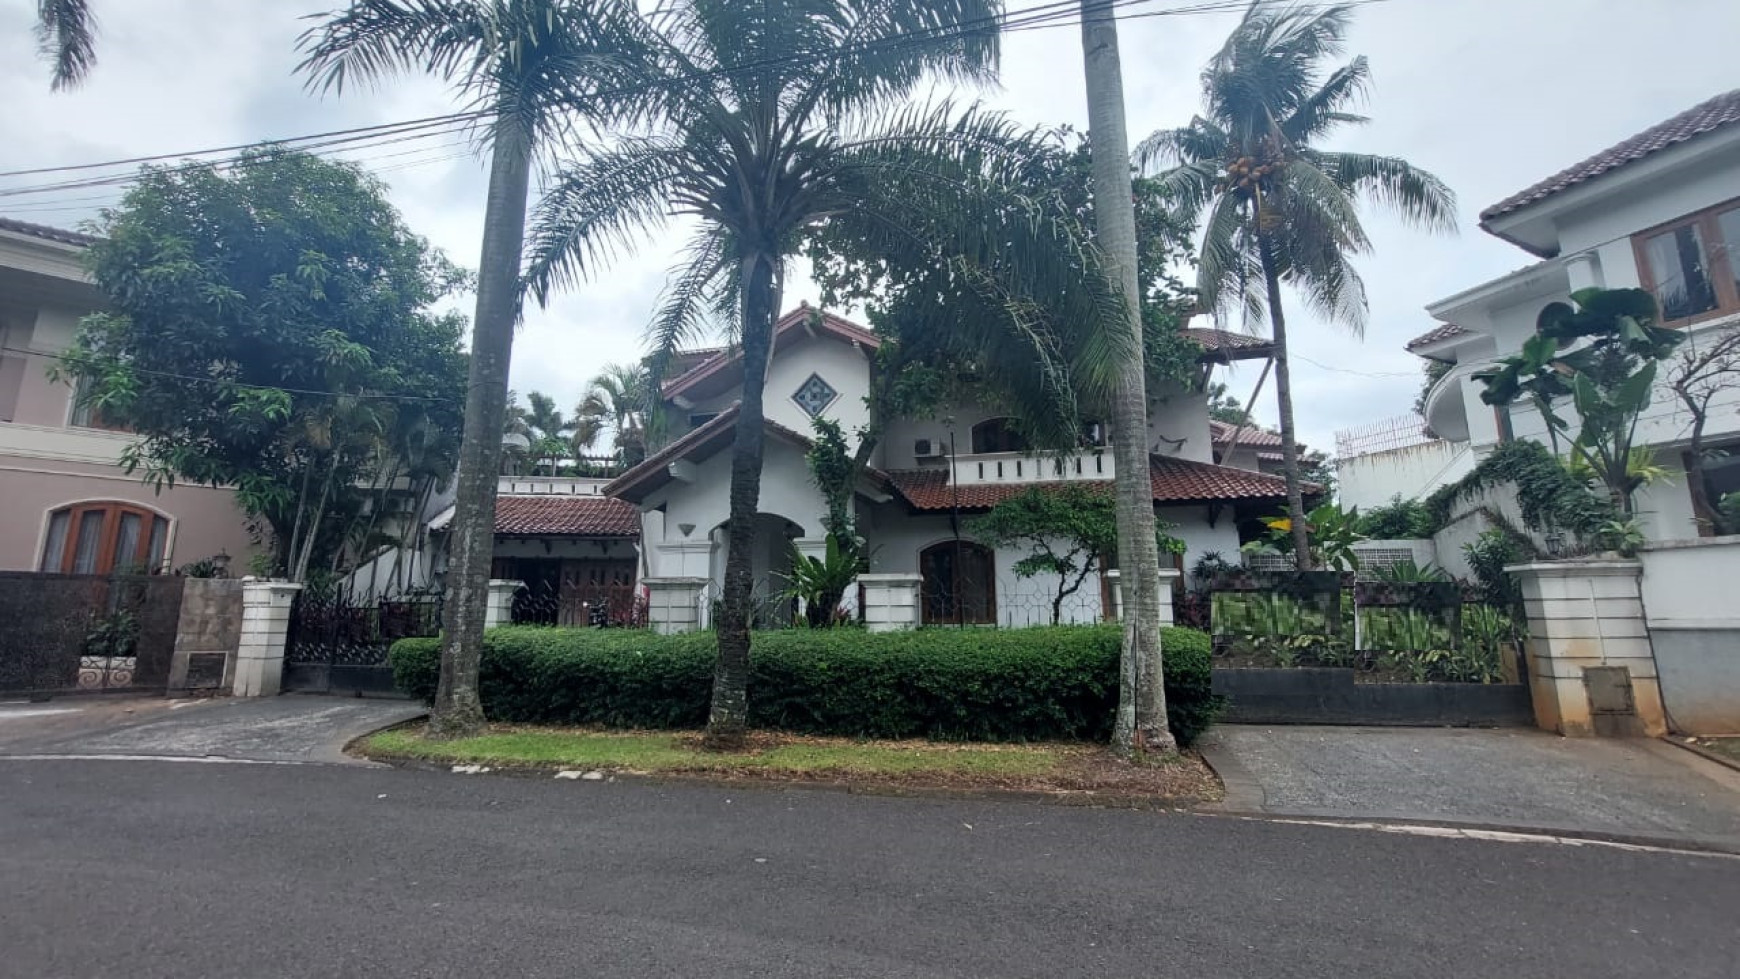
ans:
(526, 66)
(66, 34)
(1277, 209)
(551, 432)
(620, 399)
(767, 122)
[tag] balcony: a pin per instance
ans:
(550, 486)
(1446, 406)
(1089, 465)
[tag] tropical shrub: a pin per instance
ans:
(1009, 685)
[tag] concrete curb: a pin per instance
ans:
(1246, 799)
(1705, 753)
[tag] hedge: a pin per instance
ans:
(983, 685)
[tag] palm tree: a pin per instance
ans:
(619, 399)
(1275, 208)
(527, 66)
(1141, 718)
(767, 122)
(66, 33)
(551, 432)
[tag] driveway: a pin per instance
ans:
(1514, 778)
(275, 729)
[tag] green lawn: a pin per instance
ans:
(667, 752)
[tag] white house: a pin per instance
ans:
(928, 477)
(1659, 211)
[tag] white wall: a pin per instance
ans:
(958, 418)
(1688, 601)
(846, 369)
(1411, 472)
(1176, 413)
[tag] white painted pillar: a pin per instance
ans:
(1168, 578)
(1117, 581)
(674, 604)
(891, 601)
(1586, 625)
(1583, 270)
(498, 607)
(265, 628)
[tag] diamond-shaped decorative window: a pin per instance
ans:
(815, 395)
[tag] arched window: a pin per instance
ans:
(104, 537)
(997, 435)
(959, 583)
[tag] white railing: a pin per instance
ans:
(1019, 467)
(550, 486)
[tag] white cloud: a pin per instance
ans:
(1489, 94)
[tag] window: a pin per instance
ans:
(87, 415)
(997, 435)
(815, 395)
(1693, 264)
(102, 538)
(959, 583)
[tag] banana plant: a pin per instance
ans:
(1601, 352)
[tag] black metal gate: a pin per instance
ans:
(63, 633)
(338, 642)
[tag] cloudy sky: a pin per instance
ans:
(1489, 94)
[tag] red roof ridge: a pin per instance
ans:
(839, 326)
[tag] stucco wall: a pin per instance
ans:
(1688, 601)
(1178, 423)
(1413, 472)
(203, 521)
(846, 369)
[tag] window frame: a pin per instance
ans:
(112, 513)
(1722, 261)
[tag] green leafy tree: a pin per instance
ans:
(1276, 208)
(1223, 407)
(269, 328)
(768, 122)
(528, 67)
(553, 435)
(1601, 351)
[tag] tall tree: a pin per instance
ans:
(619, 399)
(1141, 718)
(269, 328)
(66, 35)
(1275, 208)
(768, 122)
(552, 433)
(527, 66)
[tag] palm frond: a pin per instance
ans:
(603, 203)
(1324, 109)
(699, 290)
(1228, 272)
(66, 35)
(1415, 195)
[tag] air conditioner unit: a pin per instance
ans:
(927, 449)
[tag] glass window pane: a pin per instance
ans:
(1728, 224)
(90, 542)
(127, 543)
(54, 549)
(1679, 268)
(159, 542)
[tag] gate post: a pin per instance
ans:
(265, 629)
(674, 604)
(499, 608)
(1591, 665)
(891, 601)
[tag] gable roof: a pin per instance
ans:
(1436, 335)
(57, 235)
(718, 359)
(1172, 480)
(576, 516)
(1723, 110)
(1266, 444)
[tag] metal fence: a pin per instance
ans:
(87, 633)
(581, 604)
(338, 642)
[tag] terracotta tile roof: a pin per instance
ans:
(1174, 481)
(565, 516)
(1222, 433)
(726, 356)
(1437, 335)
(46, 233)
(1225, 345)
(1723, 110)
(698, 444)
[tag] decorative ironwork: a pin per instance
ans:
(87, 632)
(815, 395)
(576, 602)
(340, 629)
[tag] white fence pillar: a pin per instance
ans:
(265, 627)
(891, 601)
(1591, 667)
(674, 604)
(498, 609)
(1116, 581)
(1168, 578)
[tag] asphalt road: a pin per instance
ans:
(159, 869)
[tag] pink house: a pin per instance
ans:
(65, 504)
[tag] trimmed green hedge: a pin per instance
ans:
(982, 685)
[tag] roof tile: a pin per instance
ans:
(1723, 110)
(1174, 481)
(1437, 334)
(46, 233)
(565, 516)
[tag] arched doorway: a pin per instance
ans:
(960, 583)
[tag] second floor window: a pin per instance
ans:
(1693, 265)
(997, 435)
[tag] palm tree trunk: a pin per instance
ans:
(728, 722)
(1141, 718)
(1284, 400)
(458, 710)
